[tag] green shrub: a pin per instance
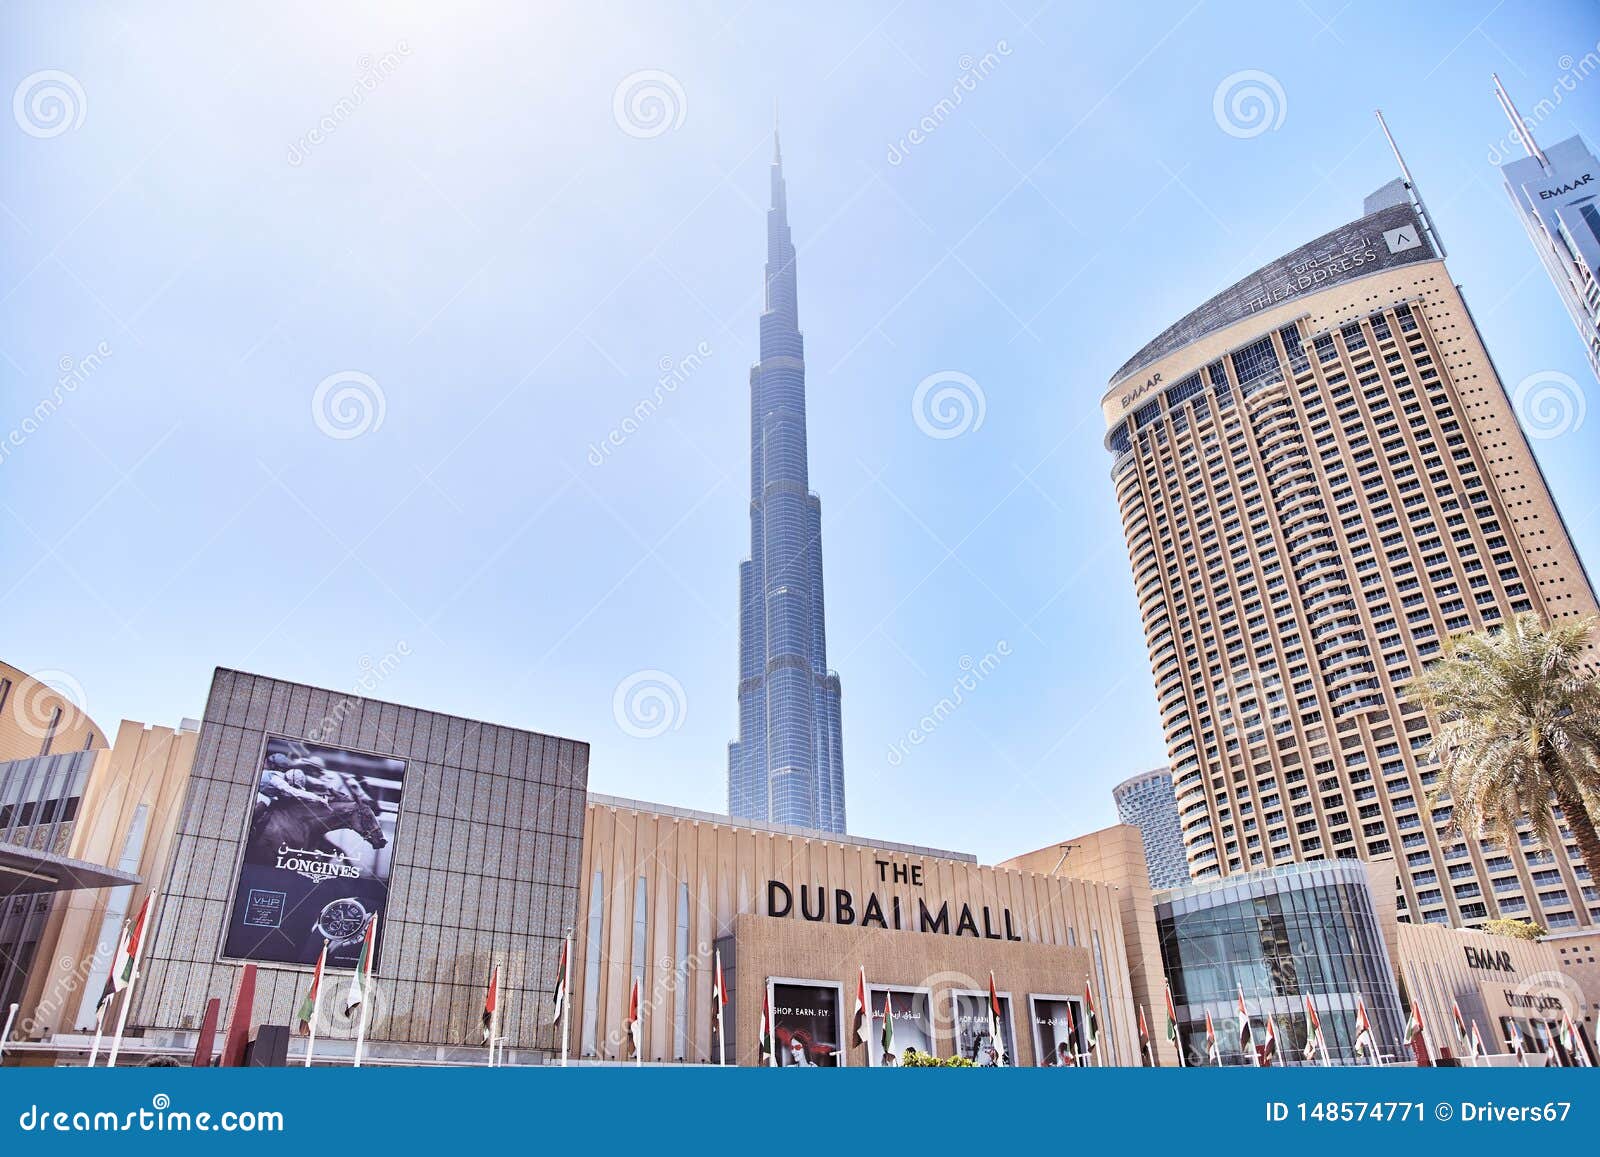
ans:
(912, 1059)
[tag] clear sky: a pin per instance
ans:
(232, 207)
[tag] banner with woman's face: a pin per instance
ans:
(805, 1021)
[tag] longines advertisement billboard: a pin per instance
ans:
(317, 853)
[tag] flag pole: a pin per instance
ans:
(566, 999)
(366, 992)
(496, 1055)
(11, 1016)
(1322, 1041)
(311, 1041)
(722, 1034)
(1172, 1017)
(1416, 998)
(99, 1030)
(133, 979)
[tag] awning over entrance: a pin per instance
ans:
(24, 871)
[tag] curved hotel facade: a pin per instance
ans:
(1321, 478)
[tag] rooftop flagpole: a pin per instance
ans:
(1411, 186)
(1518, 125)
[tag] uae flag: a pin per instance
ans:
(766, 1031)
(1414, 1030)
(1573, 1043)
(1172, 1017)
(1000, 1057)
(635, 1030)
(1144, 1039)
(862, 1013)
(1477, 1042)
(1366, 1044)
(127, 955)
(888, 1025)
(361, 978)
(719, 995)
(558, 1002)
(491, 999)
(308, 1006)
(1091, 1022)
(1213, 1054)
(1247, 1038)
(114, 981)
(1313, 1031)
(1269, 1047)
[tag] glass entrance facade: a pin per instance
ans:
(1278, 937)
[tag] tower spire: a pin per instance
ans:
(777, 150)
(787, 765)
(1518, 125)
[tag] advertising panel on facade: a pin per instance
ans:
(913, 1024)
(1057, 1031)
(973, 1039)
(805, 1024)
(316, 854)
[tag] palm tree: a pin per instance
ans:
(1517, 723)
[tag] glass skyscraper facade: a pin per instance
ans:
(787, 766)
(1556, 193)
(1279, 937)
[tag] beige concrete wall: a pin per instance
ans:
(726, 868)
(28, 711)
(1115, 856)
(1578, 954)
(147, 766)
(1510, 977)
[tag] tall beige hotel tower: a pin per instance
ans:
(1321, 478)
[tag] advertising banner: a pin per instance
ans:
(913, 1025)
(972, 1030)
(805, 1020)
(316, 854)
(1057, 1031)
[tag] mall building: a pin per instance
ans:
(291, 814)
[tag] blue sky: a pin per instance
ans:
(509, 259)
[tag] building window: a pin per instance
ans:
(591, 964)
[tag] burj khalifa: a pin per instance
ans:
(787, 766)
